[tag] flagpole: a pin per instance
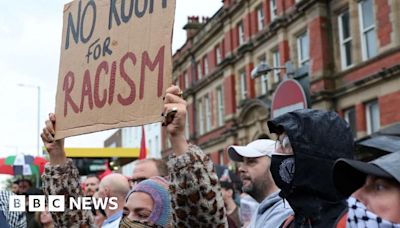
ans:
(143, 149)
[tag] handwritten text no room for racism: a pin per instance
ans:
(83, 32)
(115, 64)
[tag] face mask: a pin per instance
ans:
(359, 216)
(282, 170)
(127, 223)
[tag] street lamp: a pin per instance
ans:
(262, 69)
(38, 113)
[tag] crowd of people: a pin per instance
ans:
(9, 219)
(306, 177)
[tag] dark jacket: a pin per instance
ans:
(318, 138)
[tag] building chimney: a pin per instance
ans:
(227, 3)
(192, 26)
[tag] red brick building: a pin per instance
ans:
(346, 52)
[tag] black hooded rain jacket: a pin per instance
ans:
(318, 138)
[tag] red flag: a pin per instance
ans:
(106, 172)
(143, 152)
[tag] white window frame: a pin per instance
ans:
(205, 63)
(264, 77)
(199, 71)
(344, 41)
(363, 31)
(243, 84)
(276, 62)
(242, 38)
(220, 106)
(186, 78)
(369, 117)
(260, 18)
(303, 60)
(264, 83)
(273, 9)
(207, 103)
(218, 54)
(201, 117)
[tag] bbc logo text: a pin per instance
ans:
(57, 203)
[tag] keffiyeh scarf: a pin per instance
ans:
(360, 217)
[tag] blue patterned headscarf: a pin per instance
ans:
(157, 188)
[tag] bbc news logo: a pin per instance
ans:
(56, 203)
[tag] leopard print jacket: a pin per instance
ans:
(196, 194)
(64, 180)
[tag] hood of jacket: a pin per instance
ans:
(318, 138)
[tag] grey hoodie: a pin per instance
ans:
(272, 212)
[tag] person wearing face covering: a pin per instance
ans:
(309, 142)
(374, 190)
(148, 204)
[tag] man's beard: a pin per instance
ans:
(250, 188)
(255, 188)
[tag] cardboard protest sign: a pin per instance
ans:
(116, 63)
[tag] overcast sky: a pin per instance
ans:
(30, 39)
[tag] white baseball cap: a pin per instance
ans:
(257, 148)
